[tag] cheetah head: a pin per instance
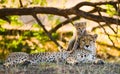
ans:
(80, 27)
(87, 42)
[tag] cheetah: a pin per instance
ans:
(85, 53)
(21, 57)
(86, 45)
(80, 30)
(49, 57)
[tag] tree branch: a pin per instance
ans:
(63, 23)
(105, 30)
(21, 5)
(96, 18)
(96, 27)
(59, 12)
(31, 10)
(75, 18)
(49, 34)
(94, 4)
(62, 12)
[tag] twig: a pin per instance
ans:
(118, 15)
(21, 5)
(94, 28)
(63, 23)
(96, 9)
(107, 23)
(49, 34)
(106, 32)
(70, 20)
(108, 45)
(93, 4)
(117, 10)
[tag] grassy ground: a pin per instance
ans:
(108, 68)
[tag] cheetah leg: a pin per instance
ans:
(71, 44)
(75, 45)
(71, 60)
(99, 61)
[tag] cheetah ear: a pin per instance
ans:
(84, 23)
(95, 36)
(76, 25)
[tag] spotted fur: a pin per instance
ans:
(85, 53)
(80, 30)
(76, 57)
(16, 58)
(21, 57)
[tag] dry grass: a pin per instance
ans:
(108, 68)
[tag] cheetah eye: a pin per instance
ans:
(91, 40)
(79, 28)
(83, 40)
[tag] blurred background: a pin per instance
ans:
(22, 33)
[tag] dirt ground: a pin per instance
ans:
(108, 68)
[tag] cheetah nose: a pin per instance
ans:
(87, 46)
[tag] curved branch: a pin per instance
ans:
(96, 18)
(96, 27)
(49, 34)
(21, 5)
(94, 4)
(63, 23)
(59, 12)
(105, 31)
(31, 10)
(96, 9)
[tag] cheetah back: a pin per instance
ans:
(16, 58)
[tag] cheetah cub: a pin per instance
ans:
(80, 30)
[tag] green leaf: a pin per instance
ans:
(110, 10)
(38, 50)
(55, 35)
(15, 20)
(2, 29)
(43, 3)
(40, 2)
(2, 22)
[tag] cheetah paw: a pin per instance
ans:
(71, 61)
(99, 62)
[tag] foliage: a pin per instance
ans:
(54, 20)
(40, 2)
(16, 3)
(31, 41)
(2, 21)
(110, 10)
(15, 20)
